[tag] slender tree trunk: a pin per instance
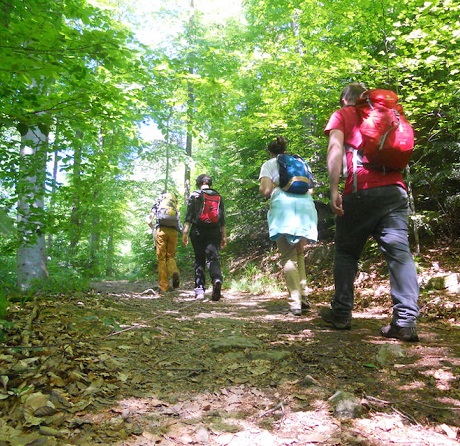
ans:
(168, 143)
(31, 255)
(413, 223)
(94, 246)
(189, 138)
(53, 187)
(109, 270)
(190, 105)
(95, 236)
(75, 216)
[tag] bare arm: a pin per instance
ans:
(266, 187)
(185, 232)
(335, 151)
(150, 219)
(223, 242)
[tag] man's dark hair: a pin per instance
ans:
(351, 93)
(203, 179)
(278, 145)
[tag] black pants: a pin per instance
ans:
(380, 212)
(206, 245)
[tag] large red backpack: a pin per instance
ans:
(388, 137)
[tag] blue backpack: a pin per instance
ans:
(296, 176)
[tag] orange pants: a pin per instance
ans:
(166, 245)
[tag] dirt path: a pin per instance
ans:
(125, 366)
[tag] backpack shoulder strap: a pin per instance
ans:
(357, 160)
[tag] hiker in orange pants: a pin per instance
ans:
(166, 245)
(164, 219)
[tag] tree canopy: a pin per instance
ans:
(79, 74)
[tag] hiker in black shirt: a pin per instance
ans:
(205, 222)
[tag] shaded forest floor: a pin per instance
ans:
(125, 366)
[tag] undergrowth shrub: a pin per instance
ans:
(252, 279)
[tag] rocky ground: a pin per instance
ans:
(125, 366)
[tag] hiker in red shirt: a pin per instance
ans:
(374, 202)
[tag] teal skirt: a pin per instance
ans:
(293, 216)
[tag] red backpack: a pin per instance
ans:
(209, 211)
(388, 137)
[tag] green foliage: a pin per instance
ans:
(6, 223)
(255, 281)
(3, 305)
(62, 280)
(111, 322)
(74, 71)
(7, 270)
(426, 52)
(437, 181)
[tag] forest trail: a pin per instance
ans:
(126, 366)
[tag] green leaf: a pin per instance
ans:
(370, 366)
(6, 223)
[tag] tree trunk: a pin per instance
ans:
(190, 105)
(52, 200)
(110, 255)
(188, 142)
(413, 222)
(31, 254)
(168, 143)
(75, 215)
(95, 245)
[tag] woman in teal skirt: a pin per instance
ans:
(292, 220)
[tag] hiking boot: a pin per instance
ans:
(339, 323)
(297, 312)
(175, 280)
(199, 296)
(406, 334)
(216, 295)
(305, 304)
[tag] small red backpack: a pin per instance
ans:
(209, 212)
